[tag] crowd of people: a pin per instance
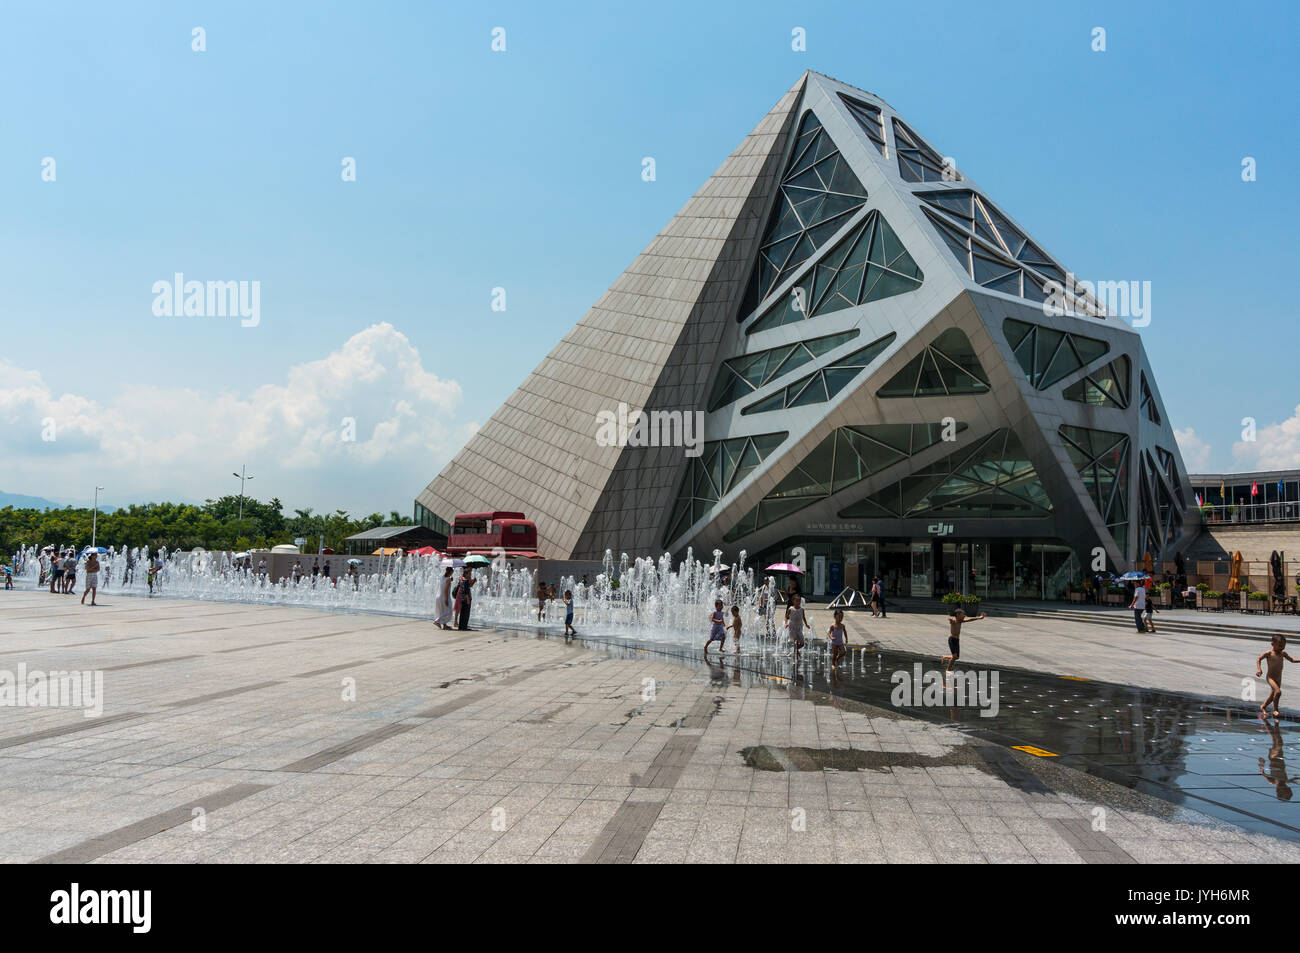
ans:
(61, 569)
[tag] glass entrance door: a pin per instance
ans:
(953, 572)
(922, 569)
(896, 567)
(866, 558)
(979, 570)
(1001, 566)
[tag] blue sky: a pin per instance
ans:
(521, 169)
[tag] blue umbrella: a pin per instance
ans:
(1128, 576)
(93, 549)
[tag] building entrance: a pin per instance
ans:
(953, 568)
(866, 562)
(896, 568)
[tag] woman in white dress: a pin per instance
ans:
(442, 606)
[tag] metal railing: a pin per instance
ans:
(1285, 512)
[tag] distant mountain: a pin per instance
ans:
(19, 501)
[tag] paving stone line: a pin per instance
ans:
(97, 847)
(623, 836)
(84, 725)
(155, 661)
(334, 668)
(213, 696)
(351, 746)
(667, 767)
(1095, 847)
(70, 645)
(446, 708)
(625, 833)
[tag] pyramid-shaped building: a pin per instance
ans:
(883, 389)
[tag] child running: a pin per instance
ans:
(734, 626)
(1275, 657)
(795, 620)
(569, 630)
(954, 636)
(838, 637)
(717, 627)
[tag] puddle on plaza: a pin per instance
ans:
(1213, 756)
(771, 758)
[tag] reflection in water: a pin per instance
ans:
(1276, 775)
(1200, 753)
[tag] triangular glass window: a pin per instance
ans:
(817, 188)
(741, 376)
(947, 367)
(721, 467)
(868, 117)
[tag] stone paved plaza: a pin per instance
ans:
(225, 737)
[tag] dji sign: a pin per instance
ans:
(941, 529)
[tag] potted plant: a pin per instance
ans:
(1164, 595)
(1213, 599)
(1256, 601)
(956, 600)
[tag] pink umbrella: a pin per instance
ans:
(783, 567)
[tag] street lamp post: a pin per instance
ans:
(94, 518)
(242, 477)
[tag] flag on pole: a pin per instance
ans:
(1222, 493)
(1198, 500)
(1254, 488)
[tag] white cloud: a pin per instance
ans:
(154, 442)
(1275, 447)
(1195, 451)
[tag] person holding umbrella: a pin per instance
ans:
(91, 583)
(464, 597)
(792, 584)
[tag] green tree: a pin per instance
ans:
(215, 525)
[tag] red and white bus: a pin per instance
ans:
(489, 534)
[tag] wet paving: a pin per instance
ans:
(1210, 755)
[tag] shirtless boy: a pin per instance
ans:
(954, 636)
